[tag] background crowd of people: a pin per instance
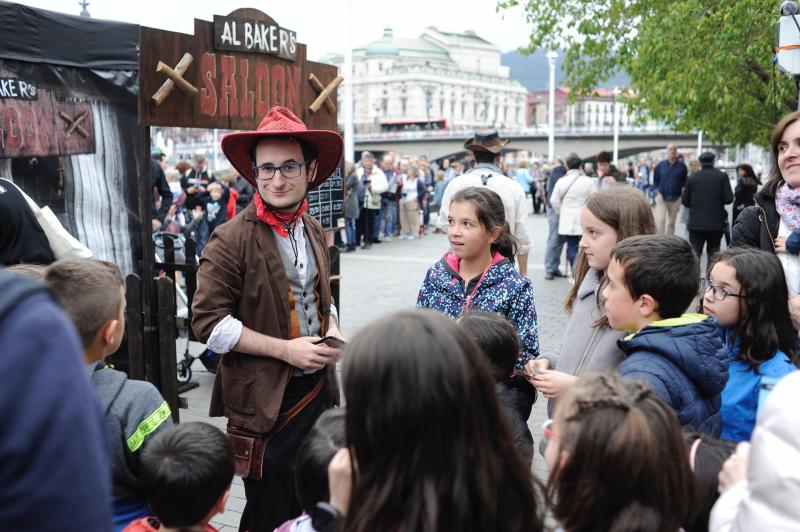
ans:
(670, 400)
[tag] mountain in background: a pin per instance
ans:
(532, 70)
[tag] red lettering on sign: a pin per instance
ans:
(293, 88)
(278, 85)
(227, 99)
(246, 101)
(47, 130)
(28, 125)
(208, 94)
(11, 126)
(262, 89)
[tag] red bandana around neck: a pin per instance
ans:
(278, 220)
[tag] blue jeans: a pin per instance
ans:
(350, 231)
(572, 248)
(388, 216)
(555, 242)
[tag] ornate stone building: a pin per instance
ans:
(439, 80)
(594, 112)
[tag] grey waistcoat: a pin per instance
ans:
(305, 300)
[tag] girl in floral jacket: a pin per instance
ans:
(479, 272)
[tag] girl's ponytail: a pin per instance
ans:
(506, 244)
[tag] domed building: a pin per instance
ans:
(440, 80)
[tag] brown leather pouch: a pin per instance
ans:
(249, 447)
(248, 452)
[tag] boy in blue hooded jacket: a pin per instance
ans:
(652, 280)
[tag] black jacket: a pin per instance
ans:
(757, 226)
(706, 193)
(743, 197)
(245, 190)
(22, 239)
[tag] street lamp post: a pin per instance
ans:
(551, 108)
(349, 87)
(616, 125)
(699, 142)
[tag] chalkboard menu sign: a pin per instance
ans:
(326, 202)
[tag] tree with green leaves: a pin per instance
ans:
(693, 64)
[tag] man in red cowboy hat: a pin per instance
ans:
(487, 147)
(263, 299)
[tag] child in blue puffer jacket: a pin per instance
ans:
(652, 280)
(479, 272)
(746, 291)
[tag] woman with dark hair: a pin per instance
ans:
(421, 461)
(589, 344)
(617, 460)
(747, 183)
(776, 213)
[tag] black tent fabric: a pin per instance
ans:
(41, 36)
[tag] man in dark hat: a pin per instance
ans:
(264, 300)
(706, 194)
(487, 148)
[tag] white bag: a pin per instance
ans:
(63, 244)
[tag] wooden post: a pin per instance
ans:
(175, 77)
(74, 124)
(191, 280)
(169, 252)
(133, 326)
(168, 366)
(147, 250)
(320, 87)
(316, 104)
(335, 254)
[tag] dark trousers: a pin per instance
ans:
(361, 223)
(711, 240)
(536, 198)
(572, 248)
(371, 226)
(272, 501)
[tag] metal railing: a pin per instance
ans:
(533, 131)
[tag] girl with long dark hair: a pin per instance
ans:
(478, 273)
(617, 459)
(746, 291)
(418, 458)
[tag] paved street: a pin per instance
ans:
(383, 280)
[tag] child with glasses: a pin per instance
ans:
(651, 281)
(617, 459)
(746, 291)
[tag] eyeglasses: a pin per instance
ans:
(719, 293)
(547, 433)
(266, 171)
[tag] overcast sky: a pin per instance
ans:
(321, 24)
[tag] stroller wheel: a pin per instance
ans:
(184, 371)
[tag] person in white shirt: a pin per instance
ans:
(487, 147)
(569, 195)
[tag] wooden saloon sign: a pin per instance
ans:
(38, 122)
(229, 73)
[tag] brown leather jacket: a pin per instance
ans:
(241, 274)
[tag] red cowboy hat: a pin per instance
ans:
(239, 148)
